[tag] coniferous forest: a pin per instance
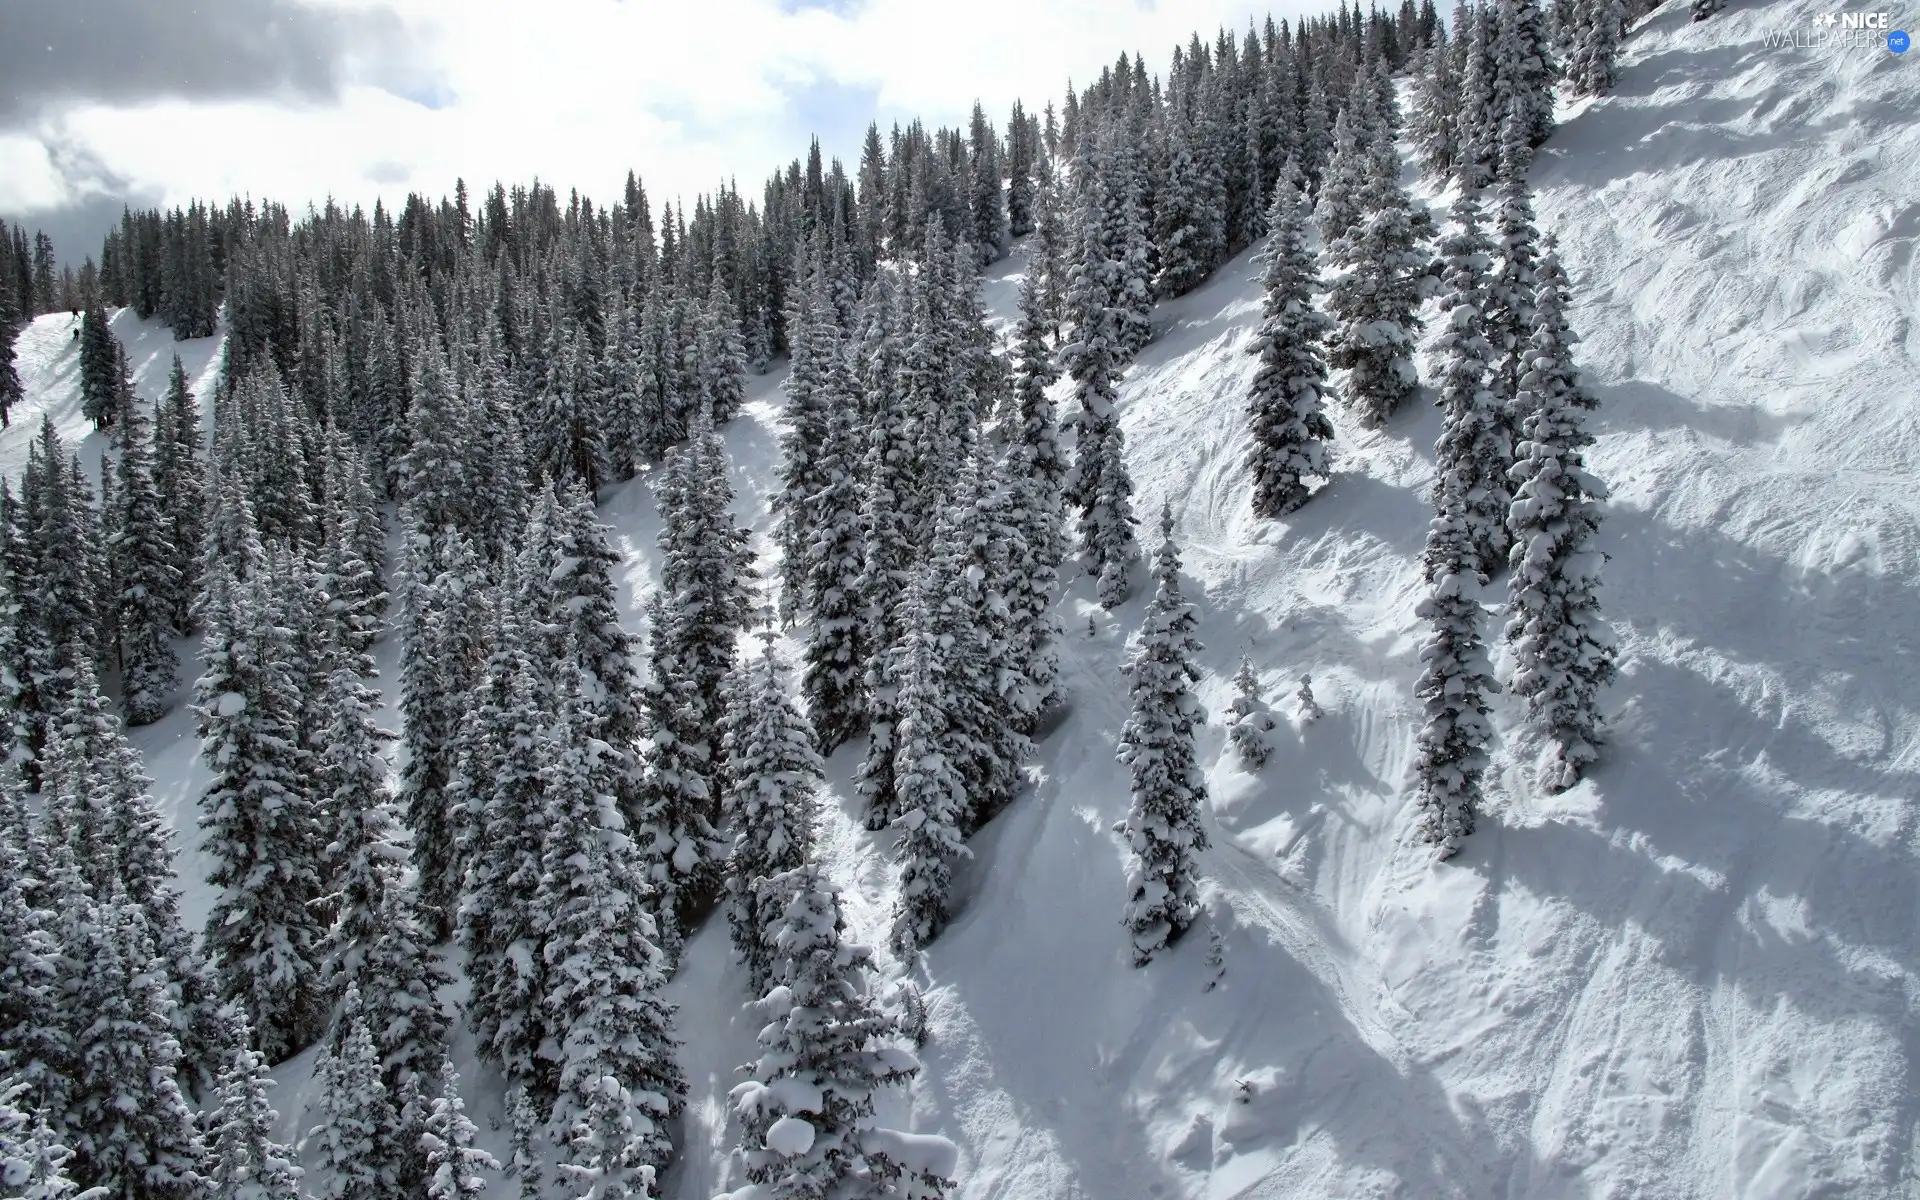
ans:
(415, 415)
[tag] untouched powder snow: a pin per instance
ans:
(1693, 975)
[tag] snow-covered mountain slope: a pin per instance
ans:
(1694, 975)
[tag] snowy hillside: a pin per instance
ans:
(1694, 974)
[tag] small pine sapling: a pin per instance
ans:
(1310, 709)
(1248, 721)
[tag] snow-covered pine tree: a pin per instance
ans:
(243, 1160)
(360, 1151)
(773, 773)
(1478, 118)
(975, 554)
(1524, 68)
(836, 652)
(1563, 652)
(814, 339)
(568, 441)
(33, 1161)
(1455, 678)
(1375, 292)
(1509, 305)
(1099, 484)
(579, 586)
(1473, 454)
(130, 1125)
(1290, 425)
(1596, 45)
(401, 979)
(1249, 722)
(100, 368)
(350, 559)
(444, 629)
(807, 1113)
(603, 969)
(706, 570)
(1340, 203)
(723, 353)
(1189, 226)
(931, 797)
(1435, 125)
(1035, 472)
(1310, 709)
(366, 849)
(498, 920)
(524, 1124)
(454, 1163)
(146, 575)
(1169, 791)
(675, 834)
(263, 937)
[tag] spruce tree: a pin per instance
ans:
(263, 937)
(773, 774)
(836, 651)
(675, 834)
(243, 1160)
(1249, 722)
(1509, 305)
(1473, 453)
(401, 980)
(132, 1130)
(814, 338)
(807, 1113)
(179, 477)
(146, 577)
(360, 1152)
(366, 850)
(1169, 791)
(603, 969)
(1596, 47)
(1290, 427)
(1563, 652)
(100, 368)
(1451, 753)
(499, 924)
(454, 1163)
(11, 391)
(1036, 472)
(1099, 485)
(931, 795)
(33, 1161)
(1375, 292)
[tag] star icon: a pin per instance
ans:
(1825, 19)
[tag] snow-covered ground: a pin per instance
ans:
(1693, 975)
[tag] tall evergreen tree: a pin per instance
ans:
(1563, 652)
(1509, 304)
(1473, 453)
(132, 1130)
(773, 774)
(1375, 292)
(498, 921)
(1455, 678)
(360, 1149)
(1169, 790)
(243, 1160)
(1290, 427)
(603, 969)
(33, 1161)
(836, 650)
(931, 796)
(263, 937)
(454, 1163)
(1100, 485)
(1036, 470)
(807, 1113)
(179, 477)
(146, 575)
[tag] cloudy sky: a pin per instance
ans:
(157, 101)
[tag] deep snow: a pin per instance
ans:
(1693, 975)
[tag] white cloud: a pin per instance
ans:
(578, 91)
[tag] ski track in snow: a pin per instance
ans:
(1693, 975)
